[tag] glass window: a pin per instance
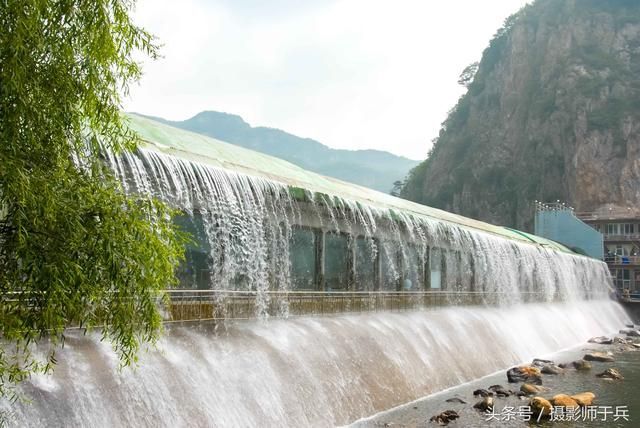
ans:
(195, 270)
(336, 261)
(389, 266)
(365, 268)
(435, 263)
(302, 254)
(413, 265)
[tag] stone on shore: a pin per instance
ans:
(598, 356)
(539, 362)
(455, 400)
(485, 404)
(611, 373)
(584, 398)
(540, 407)
(500, 390)
(482, 393)
(530, 389)
(445, 417)
(601, 340)
(632, 332)
(578, 365)
(552, 369)
(564, 400)
(527, 374)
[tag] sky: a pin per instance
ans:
(352, 74)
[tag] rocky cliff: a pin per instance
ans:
(552, 112)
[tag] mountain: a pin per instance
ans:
(371, 168)
(552, 112)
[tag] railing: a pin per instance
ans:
(612, 214)
(622, 260)
(621, 237)
(193, 305)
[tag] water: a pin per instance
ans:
(608, 393)
(318, 371)
(245, 223)
(322, 371)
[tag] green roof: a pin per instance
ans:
(199, 148)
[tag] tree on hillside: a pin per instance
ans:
(75, 251)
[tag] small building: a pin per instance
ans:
(620, 228)
(558, 222)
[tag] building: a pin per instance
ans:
(621, 231)
(558, 222)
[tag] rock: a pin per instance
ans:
(485, 404)
(551, 369)
(482, 393)
(522, 373)
(455, 400)
(630, 326)
(611, 373)
(445, 417)
(540, 362)
(581, 365)
(563, 400)
(632, 332)
(530, 389)
(636, 345)
(601, 340)
(598, 356)
(584, 398)
(540, 407)
(619, 341)
(500, 391)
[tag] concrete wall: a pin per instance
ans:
(564, 227)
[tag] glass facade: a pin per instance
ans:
(302, 255)
(336, 261)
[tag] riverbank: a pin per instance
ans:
(616, 404)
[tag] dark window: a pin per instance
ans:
(435, 262)
(336, 261)
(365, 268)
(412, 263)
(195, 270)
(389, 266)
(302, 254)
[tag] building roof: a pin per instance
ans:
(216, 153)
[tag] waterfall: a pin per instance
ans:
(245, 225)
(304, 371)
(314, 370)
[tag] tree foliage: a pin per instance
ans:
(75, 251)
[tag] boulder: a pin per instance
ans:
(540, 407)
(455, 400)
(630, 325)
(578, 365)
(445, 417)
(632, 332)
(601, 340)
(500, 390)
(598, 356)
(539, 362)
(552, 369)
(485, 404)
(482, 393)
(584, 398)
(563, 400)
(611, 373)
(530, 389)
(528, 374)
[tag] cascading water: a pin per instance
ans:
(318, 371)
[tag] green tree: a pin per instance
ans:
(75, 251)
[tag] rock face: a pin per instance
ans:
(553, 112)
